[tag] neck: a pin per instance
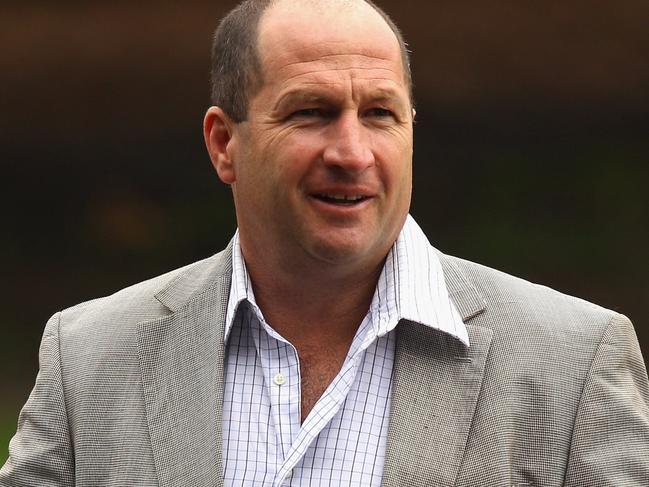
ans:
(308, 305)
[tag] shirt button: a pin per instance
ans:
(279, 379)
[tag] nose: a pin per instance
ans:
(348, 144)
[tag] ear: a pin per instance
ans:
(218, 131)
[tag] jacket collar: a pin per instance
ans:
(196, 279)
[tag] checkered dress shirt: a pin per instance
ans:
(342, 441)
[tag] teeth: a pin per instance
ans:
(342, 197)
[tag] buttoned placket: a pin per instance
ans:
(280, 364)
(328, 405)
(274, 356)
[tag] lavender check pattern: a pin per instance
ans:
(343, 440)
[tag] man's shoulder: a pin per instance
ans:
(144, 301)
(513, 301)
(537, 333)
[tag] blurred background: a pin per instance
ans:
(531, 150)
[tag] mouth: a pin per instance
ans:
(341, 199)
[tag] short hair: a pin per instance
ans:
(236, 72)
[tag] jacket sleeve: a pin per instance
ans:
(610, 443)
(41, 452)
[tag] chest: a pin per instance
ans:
(318, 369)
(323, 412)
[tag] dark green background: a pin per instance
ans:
(531, 150)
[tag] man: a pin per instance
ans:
(329, 344)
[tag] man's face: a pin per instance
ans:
(323, 165)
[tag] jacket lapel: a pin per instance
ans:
(436, 385)
(181, 362)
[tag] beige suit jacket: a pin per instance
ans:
(552, 391)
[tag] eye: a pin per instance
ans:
(308, 113)
(380, 112)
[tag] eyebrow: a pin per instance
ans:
(385, 94)
(302, 95)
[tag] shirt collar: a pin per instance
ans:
(240, 286)
(411, 287)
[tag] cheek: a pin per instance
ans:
(303, 144)
(395, 162)
(293, 159)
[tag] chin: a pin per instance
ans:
(341, 251)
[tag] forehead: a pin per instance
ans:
(302, 35)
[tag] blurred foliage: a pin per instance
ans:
(7, 430)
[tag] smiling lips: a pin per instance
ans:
(341, 199)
